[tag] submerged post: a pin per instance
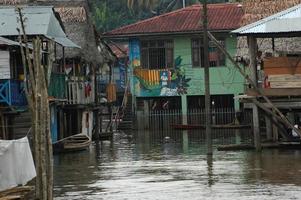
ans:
(253, 66)
(207, 80)
(96, 99)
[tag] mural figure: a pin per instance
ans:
(170, 82)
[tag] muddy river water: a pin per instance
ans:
(175, 166)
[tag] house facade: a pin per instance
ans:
(75, 68)
(279, 69)
(166, 58)
(43, 23)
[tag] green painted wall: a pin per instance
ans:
(223, 80)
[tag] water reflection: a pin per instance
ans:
(160, 165)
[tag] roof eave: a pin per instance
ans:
(270, 35)
(129, 35)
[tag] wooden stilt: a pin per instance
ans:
(269, 131)
(146, 115)
(274, 111)
(275, 130)
(253, 66)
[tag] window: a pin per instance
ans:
(157, 54)
(216, 57)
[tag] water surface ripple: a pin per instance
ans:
(132, 167)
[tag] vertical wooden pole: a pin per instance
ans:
(207, 80)
(96, 111)
(269, 131)
(253, 65)
(275, 130)
(146, 115)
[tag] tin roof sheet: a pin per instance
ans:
(222, 16)
(283, 22)
(38, 20)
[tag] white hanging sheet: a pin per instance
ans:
(16, 163)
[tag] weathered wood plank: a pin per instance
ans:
(284, 78)
(287, 84)
(276, 92)
(282, 70)
(282, 62)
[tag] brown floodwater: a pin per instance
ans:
(175, 166)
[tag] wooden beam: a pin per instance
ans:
(275, 92)
(268, 125)
(252, 42)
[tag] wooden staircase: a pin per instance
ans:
(126, 116)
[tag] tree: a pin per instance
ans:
(36, 88)
(110, 14)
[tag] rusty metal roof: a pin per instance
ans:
(221, 17)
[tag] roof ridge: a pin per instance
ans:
(196, 6)
(188, 8)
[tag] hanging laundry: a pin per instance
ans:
(16, 163)
(88, 89)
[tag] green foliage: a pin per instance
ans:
(111, 14)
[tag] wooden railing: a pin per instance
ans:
(12, 93)
(151, 77)
(79, 92)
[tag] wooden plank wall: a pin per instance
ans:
(283, 72)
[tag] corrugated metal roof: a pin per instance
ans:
(223, 16)
(282, 22)
(39, 20)
(4, 41)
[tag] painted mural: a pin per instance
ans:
(165, 82)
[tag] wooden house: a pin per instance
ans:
(43, 22)
(166, 58)
(83, 67)
(76, 71)
(280, 69)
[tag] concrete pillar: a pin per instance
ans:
(185, 142)
(184, 109)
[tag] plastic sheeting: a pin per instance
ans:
(16, 163)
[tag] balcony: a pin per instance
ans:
(57, 86)
(79, 91)
(12, 93)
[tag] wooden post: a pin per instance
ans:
(275, 130)
(96, 111)
(269, 130)
(207, 80)
(146, 115)
(36, 89)
(275, 111)
(253, 67)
